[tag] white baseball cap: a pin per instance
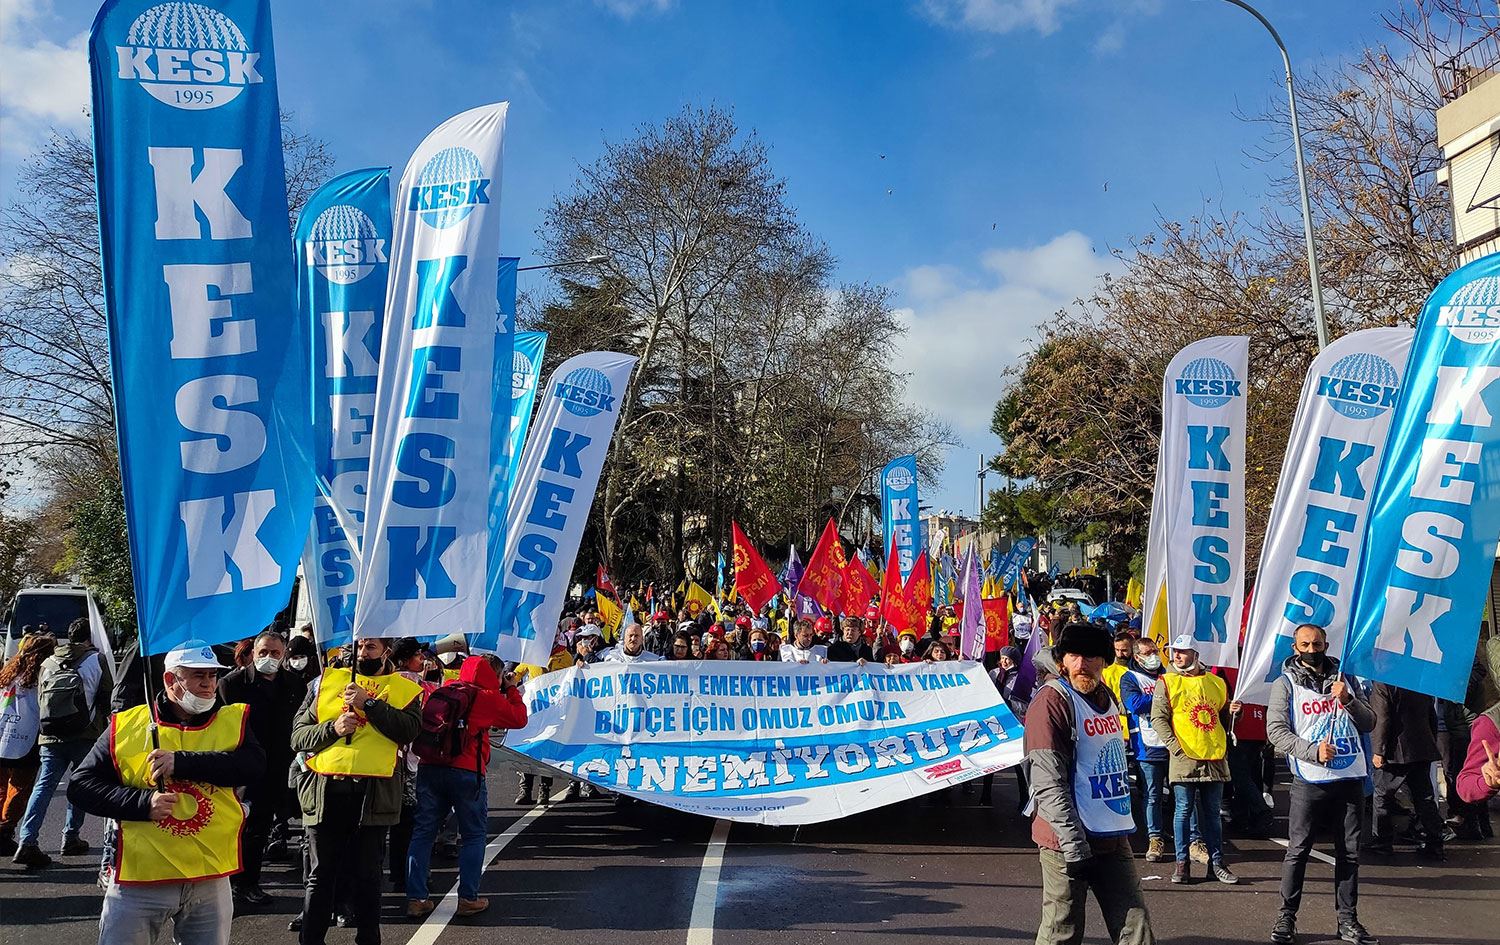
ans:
(1184, 641)
(193, 654)
(588, 630)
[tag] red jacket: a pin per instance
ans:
(492, 709)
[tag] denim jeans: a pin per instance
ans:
(439, 790)
(56, 760)
(137, 914)
(1204, 797)
(1153, 779)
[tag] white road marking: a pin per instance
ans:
(429, 931)
(706, 899)
(1316, 854)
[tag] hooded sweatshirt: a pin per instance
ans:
(491, 709)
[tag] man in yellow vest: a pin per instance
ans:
(179, 834)
(349, 731)
(1191, 711)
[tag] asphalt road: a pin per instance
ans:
(935, 870)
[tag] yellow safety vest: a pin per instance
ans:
(451, 674)
(1196, 701)
(368, 754)
(201, 839)
(1113, 673)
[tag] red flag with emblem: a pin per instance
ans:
(823, 581)
(892, 598)
(996, 623)
(752, 578)
(603, 582)
(859, 587)
(916, 596)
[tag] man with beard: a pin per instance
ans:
(631, 648)
(1316, 719)
(851, 647)
(1075, 759)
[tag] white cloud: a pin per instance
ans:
(1112, 40)
(629, 9)
(44, 78)
(966, 325)
(998, 16)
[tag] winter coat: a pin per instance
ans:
(1405, 726)
(491, 709)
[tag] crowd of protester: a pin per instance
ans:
(367, 762)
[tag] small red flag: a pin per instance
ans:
(892, 598)
(859, 586)
(603, 582)
(917, 595)
(996, 623)
(754, 581)
(823, 580)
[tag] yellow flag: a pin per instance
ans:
(1134, 591)
(610, 611)
(1159, 630)
(698, 599)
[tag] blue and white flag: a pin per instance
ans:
(1435, 510)
(342, 238)
(525, 375)
(1317, 524)
(208, 361)
(554, 488)
(435, 522)
(1014, 561)
(1195, 569)
(899, 514)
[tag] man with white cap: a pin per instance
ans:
(1190, 711)
(174, 798)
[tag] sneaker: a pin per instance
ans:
(1284, 932)
(74, 846)
(1198, 852)
(467, 907)
(1355, 934)
(295, 925)
(1266, 796)
(419, 908)
(1432, 852)
(1181, 873)
(1156, 850)
(1223, 873)
(252, 896)
(31, 856)
(570, 793)
(524, 799)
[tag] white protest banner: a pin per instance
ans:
(1318, 520)
(554, 488)
(441, 431)
(769, 743)
(1195, 562)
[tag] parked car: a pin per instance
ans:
(55, 605)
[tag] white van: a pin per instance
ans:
(56, 605)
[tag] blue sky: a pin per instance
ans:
(1000, 122)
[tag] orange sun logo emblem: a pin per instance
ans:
(741, 558)
(1204, 716)
(203, 810)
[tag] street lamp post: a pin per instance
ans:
(589, 261)
(1307, 227)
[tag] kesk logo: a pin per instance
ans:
(1360, 386)
(522, 375)
(1208, 383)
(1109, 782)
(343, 245)
(586, 392)
(450, 186)
(1334, 727)
(898, 479)
(188, 56)
(1473, 313)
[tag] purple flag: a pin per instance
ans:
(1026, 672)
(791, 577)
(971, 636)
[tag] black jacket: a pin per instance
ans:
(841, 652)
(273, 705)
(1405, 726)
(96, 787)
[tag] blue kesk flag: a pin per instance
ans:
(208, 359)
(525, 370)
(342, 239)
(899, 513)
(1435, 509)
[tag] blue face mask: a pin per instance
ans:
(757, 646)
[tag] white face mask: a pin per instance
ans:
(268, 665)
(907, 645)
(297, 663)
(192, 703)
(1152, 662)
